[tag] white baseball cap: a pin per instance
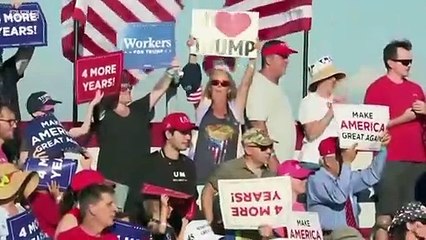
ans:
(200, 230)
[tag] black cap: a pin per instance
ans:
(36, 101)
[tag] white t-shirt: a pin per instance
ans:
(313, 108)
(267, 102)
(4, 215)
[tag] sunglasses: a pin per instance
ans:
(221, 83)
(262, 148)
(404, 62)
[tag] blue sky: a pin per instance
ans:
(353, 33)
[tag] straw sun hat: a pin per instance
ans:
(14, 181)
(324, 69)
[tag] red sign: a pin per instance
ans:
(98, 73)
(158, 191)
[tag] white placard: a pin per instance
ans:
(250, 203)
(304, 226)
(362, 124)
(222, 33)
(200, 230)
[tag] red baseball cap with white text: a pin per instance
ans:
(178, 121)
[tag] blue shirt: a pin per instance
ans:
(327, 194)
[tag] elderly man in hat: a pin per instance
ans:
(257, 152)
(316, 110)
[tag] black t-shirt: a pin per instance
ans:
(9, 78)
(125, 142)
(178, 174)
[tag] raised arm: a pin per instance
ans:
(244, 87)
(85, 127)
(161, 87)
(22, 58)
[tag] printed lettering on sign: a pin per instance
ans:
(25, 26)
(98, 73)
(24, 226)
(248, 203)
(361, 124)
(59, 170)
(304, 226)
(222, 33)
(147, 45)
(126, 231)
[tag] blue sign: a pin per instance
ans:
(46, 133)
(24, 226)
(127, 231)
(147, 45)
(25, 26)
(59, 170)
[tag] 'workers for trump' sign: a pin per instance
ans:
(98, 73)
(59, 170)
(46, 133)
(147, 45)
(361, 124)
(250, 203)
(25, 26)
(222, 33)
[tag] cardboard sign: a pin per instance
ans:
(25, 26)
(147, 45)
(127, 231)
(221, 33)
(59, 170)
(46, 133)
(158, 191)
(200, 230)
(304, 226)
(250, 203)
(24, 226)
(98, 73)
(361, 124)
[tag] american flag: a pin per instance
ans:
(101, 20)
(277, 18)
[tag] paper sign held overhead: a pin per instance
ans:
(361, 124)
(98, 73)
(222, 33)
(25, 26)
(147, 45)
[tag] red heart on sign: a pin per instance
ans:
(232, 24)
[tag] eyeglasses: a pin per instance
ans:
(216, 82)
(10, 121)
(404, 62)
(125, 88)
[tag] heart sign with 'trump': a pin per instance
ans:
(232, 24)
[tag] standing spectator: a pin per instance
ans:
(406, 158)
(8, 123)
(11, 71)
(316, 110)
(219, 116)
(169, 168)
(268, 107)
(124, 134)
(97, 211)
(332, 189)
(409, 222)
(257, 151)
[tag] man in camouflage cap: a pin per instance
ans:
(409, 222)
(257, 151)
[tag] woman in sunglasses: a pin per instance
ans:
(219, 114)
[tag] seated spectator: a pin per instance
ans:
(13, 184)
(69, 205)
(409, 222)
(97, 210)
(257, 151)
(331, 190)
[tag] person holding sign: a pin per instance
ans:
(13, 185)
(40, 104)
(316, 110)
(254, 164)
(219, 114)
(407, 157)
(97, 209)
(332, 189)
(123, 131)
(268, 108)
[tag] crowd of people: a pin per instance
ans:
(240, 131)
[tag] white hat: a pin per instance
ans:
(323, 69)
(200, 230)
